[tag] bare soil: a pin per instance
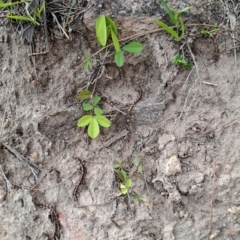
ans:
(185, 130)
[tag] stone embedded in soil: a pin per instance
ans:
(198, 177)
(214, 234)
(173, 166)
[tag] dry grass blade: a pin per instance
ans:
(34, 168)
(9, 185)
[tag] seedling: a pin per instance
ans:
(89, 61)
(95, 118)
(106, 29)
(176, 20)
(126, 181)
(137, 163)
(180, 60)
(208, 32)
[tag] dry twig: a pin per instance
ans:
(76, 189)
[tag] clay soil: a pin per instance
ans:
(59, 184)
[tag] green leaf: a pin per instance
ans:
(119, 58)
(93, 128)
(37, 13)
(10, 4)
(87, 107)
(42, 7)
(84, 94)
(122, 175)
(101, 30)
(182, 26)
(133, 47)
(138, 197)
(115, 41)
(96, 100)
(184, 9)
(169, 11)
(128, 183)
(98, 111)
(90, 64)
(136, 160)
(176, 15)
(140, 168)
(111, 23)
(135, 196)
(142, 197)
(117, 165)
(123, 188)
(84, 120)
(86, 64)
(168, 29)
(87, 55)
(22, 18)
(103, 121)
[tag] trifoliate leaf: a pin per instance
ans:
(103, 121)
(84, 120)
(93, 128)
(133, 47)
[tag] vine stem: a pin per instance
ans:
(145, 33)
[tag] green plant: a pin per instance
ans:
(210, 32)
(29, 18)
(176, 20)
(106, 29)
(180, 60)
(89, 61)
(95, 118)
(126, 181)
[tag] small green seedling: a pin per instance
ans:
(208, 32)
(125, 180)
(89, 61)
(180, 60)
(137, 163)
(106, 29)
(136, 196)
(95, 118)
(176, 20)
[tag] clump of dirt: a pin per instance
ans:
(183, 125)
